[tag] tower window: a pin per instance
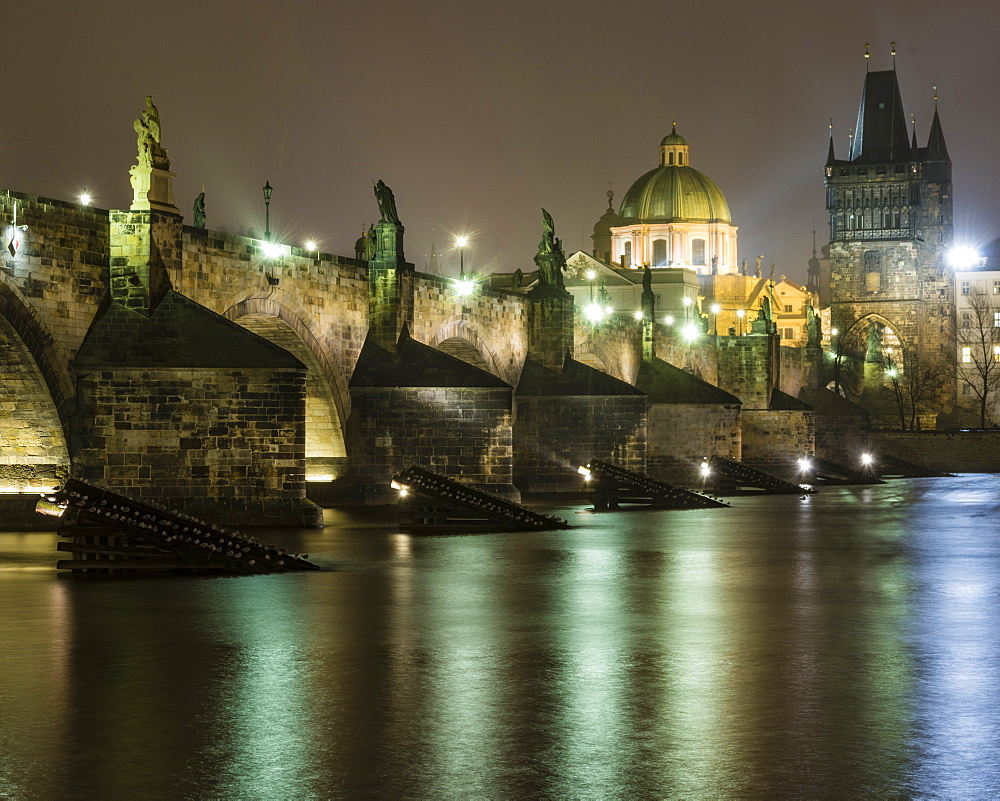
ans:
(670, 158)
(628, 254)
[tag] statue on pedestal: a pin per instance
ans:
(386, 203)
(550, 259)
(147, 128)
(648, 299)
(199, 210)
(371, 244)
(814, 329)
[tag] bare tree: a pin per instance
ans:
(915, 387)
(979, 349)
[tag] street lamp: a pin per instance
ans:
(85, 199)
(267, 210)
(740, 314)
(716, 308)
(460, 243)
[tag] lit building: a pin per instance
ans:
(673, 216)
(977, 313)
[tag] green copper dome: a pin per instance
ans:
(673, 138)
(673, 193)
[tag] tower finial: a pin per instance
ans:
(935, 98)
(892, 51)
(868, 55)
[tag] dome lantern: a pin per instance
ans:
(674, 150)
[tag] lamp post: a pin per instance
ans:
(716, 308)
(740, 314)
(460, 243)
(267, 210)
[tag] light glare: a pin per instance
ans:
(962, 257)
(85, 199)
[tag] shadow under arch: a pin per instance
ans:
(458, 338)
(326, 390)
(35, 394)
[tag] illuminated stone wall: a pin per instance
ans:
(554, 435)
(774, 440)
(50, 290)
(748, 368)
(681, 435)
(225, 442)
(493, 322)
(952, 451)
(460, 433)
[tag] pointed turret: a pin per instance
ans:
(936, 148)
(831, 156)
(881, 132)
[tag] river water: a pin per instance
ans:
(844, 645)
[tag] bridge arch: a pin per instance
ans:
(34, 400)
(593, 355)
(459, 338)
(327, 397)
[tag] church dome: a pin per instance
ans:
(674, 191)
(671, 193)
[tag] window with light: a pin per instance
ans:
(966, 355)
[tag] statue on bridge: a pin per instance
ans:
(147, 128)
(873, 353)
(386, 203)
(814, 329)
(550, 259)
(199, 210)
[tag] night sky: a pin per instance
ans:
(476, 114)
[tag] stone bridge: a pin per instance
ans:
(316, 306)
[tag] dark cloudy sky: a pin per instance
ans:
(478, 113)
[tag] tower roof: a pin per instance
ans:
(937, 150)
(880, 135)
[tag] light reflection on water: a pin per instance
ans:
(844, 645)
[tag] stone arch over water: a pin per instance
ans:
(34, 408)
(327, 399)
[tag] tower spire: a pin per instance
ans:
(868, 55)
(830, 157)
(937, 150)
(892, 51)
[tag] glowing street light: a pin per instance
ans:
(460, 243)
(591, 275)
(867, 459)
(834, 332)
(690, 332)
(706, 469)
(804, 464)
(637, 314)
(715, 308)
(464, 287)
(271, 249)
(962, 257)
(669, 319)
(310, 245)
(740, 314)
(85, 199)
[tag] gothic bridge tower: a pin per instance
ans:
(890, 206)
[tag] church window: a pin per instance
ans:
(697, 251)
(966, 355)
(628, 254)
(966, 288)
(659, 252)
(670, 159)
(680, 158)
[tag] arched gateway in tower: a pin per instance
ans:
(675, 216)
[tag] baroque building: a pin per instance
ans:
(890, 211)
(673, 216)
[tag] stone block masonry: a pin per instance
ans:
(460, 433)
(774, 440)
(555, 434)
(207, 441)
(681, 435)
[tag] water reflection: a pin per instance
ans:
(844, 645)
